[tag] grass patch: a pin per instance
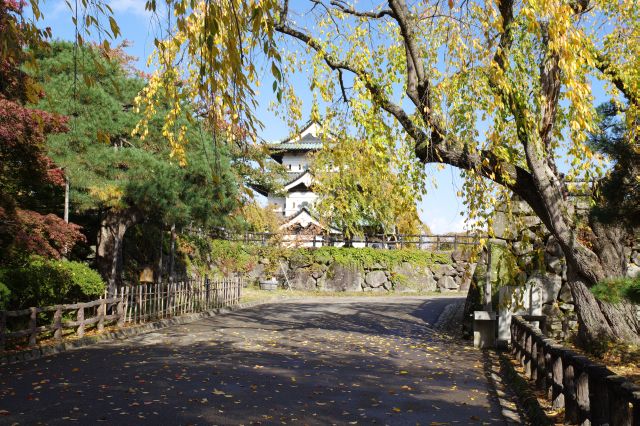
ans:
(252, 294)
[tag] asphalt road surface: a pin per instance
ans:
(313, 361)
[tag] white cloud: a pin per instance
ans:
(444, 225)
(129, 6)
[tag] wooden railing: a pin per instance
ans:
(380, 241)
(588, 392)
(130, 305)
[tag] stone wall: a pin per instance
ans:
(378, 277)
(541, 263)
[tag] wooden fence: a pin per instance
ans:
(130, 305)
(156, 301)
(379, 241)
(588, 392)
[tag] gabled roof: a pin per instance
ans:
(303, 178)
(303, 214)
(305, 141)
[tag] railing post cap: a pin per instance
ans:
(615, 379)
(631, 387)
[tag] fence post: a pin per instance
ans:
(33, 318)
(206, 289)
(3, 330)
(102, 309)
(569, 387)
(528, 352)
(636, 408)
(120, 311)
(618, 406)
(582, 398)
(557, 396)
(598, 394)
(80, 320)
(57, 323)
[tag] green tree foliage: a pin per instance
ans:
(118, 180)
(619, 192)
(110, 169)
(616, 289)
(359, 185)
(619, 198)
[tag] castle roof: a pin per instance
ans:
(306, 141)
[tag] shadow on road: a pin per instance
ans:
(293, 363)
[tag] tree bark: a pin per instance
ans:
(172, 254)
(598, 321)
(113, 227)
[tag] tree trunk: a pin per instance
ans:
(598, 321)
(113, 226)
(172, 254)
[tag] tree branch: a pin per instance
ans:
(376, 92)
(344, 8)
(604, 65)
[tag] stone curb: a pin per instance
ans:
(504, 395)
(43, 351)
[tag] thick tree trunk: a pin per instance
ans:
(600, 321)
(113, 227)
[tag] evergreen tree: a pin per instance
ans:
(120, 180)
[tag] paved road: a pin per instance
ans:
(315, 361)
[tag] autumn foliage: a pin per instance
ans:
(26, 172)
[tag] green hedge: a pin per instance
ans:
(202, 254)
(43, 282)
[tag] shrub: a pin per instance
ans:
(43, 282)
(613, 290)
(5, 294)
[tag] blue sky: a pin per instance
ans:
(440, 208)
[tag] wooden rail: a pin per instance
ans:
(130, 305)
(379, 241)
(589, 393)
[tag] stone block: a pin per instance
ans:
(565, 294)
(460, 256)
(467, 277)
(553, 248)
(375, 279)
(342, 278)
(446, 269)
(549, 284)
(303, 280)
(633, 270)
(447, 283)
(551, 310)
(414, 278)
(554, 264)
(484, 329)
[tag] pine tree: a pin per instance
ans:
(118, 180)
